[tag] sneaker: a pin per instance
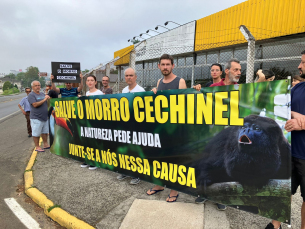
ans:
(200, 200)
(84, 165)
(221, 207)
(135, 181)
(121, 177)
(91, 167)
(271, 226)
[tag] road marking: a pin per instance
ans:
(10, 115)
(21, 214)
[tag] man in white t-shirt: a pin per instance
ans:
(131, 78)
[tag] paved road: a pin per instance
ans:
(9, 104)
(15, 151)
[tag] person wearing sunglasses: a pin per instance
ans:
(26, 110)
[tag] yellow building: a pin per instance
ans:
(278, 27)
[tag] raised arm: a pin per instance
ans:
(80, 88)
(53, 85)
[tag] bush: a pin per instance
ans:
(10, 91)
(7, 85)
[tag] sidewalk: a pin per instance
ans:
(102, 201)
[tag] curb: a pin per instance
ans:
(57, 214)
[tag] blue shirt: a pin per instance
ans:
(298, 105)
(68, 93)
(25, 103)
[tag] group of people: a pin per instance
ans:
(36, 112)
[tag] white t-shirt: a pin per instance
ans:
(97, 92)
(137, 88)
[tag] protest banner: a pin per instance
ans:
(227, 144)
(67, 72)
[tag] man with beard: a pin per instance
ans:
(169, 81)
(296, 125)
(233, 73)
(106, 89)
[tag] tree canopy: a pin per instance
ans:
(29, 76)
(11, 76)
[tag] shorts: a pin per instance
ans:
(39, 127)
(298, 176)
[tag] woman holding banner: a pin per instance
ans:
(216, 73)
(91, 83)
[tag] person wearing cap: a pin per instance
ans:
(49, 91)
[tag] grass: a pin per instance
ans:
(29, 170)
(11, 91)
(54, 206)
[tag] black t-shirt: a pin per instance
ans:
(298, 105)
(53, 94)
(209, 84)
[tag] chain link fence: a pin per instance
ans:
(281, 55)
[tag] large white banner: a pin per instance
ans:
(176, 41)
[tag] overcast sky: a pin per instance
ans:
(34, 32)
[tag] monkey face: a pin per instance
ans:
(249, 133)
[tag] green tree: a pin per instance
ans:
(7, 85)
(20, 76)
(16, 86)
(11, 76)
(31, 74)
(42, 82)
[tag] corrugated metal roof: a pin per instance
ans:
(124, 55)
(264, 18)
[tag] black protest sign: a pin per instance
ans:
(67, 72)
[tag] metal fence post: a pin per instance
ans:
(119, 77)
(108, 69)
(250, 53)
(193, 68)
(132, 62)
